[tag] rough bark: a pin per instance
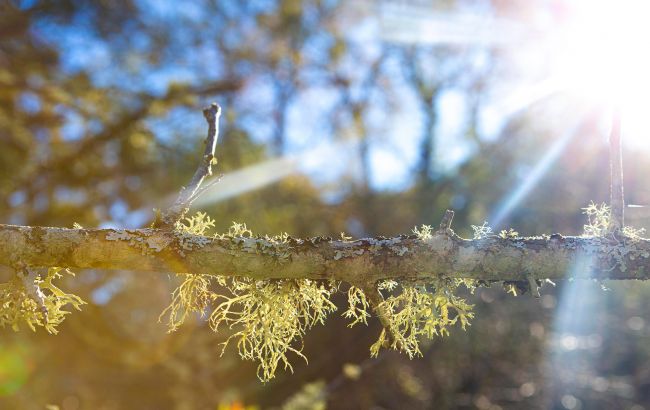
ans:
(406, 258)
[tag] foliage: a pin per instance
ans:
(42, 306)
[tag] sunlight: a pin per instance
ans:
(268, 172)
(529, 181)
(601, 55)
(576, 344)
(595, 50)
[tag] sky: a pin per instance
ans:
(521, 81)
(398, 137)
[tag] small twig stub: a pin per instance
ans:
(445, 223)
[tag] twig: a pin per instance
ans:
(205, 187)
(532, 283)
(192, 191)
(445, 223)
(617, 198)
(375, 298)
(28, 278)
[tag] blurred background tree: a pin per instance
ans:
(363, 117)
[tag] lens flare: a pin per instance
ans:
(601, 55)
(15, 367)
(602, 50)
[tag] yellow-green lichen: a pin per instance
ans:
(420, 311)
(357, 307)
(424, 232)
(43, 305)
(411, 312)
(268, 318)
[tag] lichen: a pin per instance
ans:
(508, 234)
(413, 312)
(19, 306)
(268, 317)
(357, 307)
(482, 231)
(347, 252)
(141, 239)
(424, 233)
(597, 220)
(188, 241)
(190, 232)
(278, 247)
(193, 295)
(198, 224)
(420, 311)
(615, 247)
(158, 243)
(118, 236)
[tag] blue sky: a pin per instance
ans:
(396, 135)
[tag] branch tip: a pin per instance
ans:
(193, 190)
(212, 111)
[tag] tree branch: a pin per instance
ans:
(359, 262)
(410, 258)
(617, 197)
(192, 191)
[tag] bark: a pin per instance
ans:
(406, 257)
